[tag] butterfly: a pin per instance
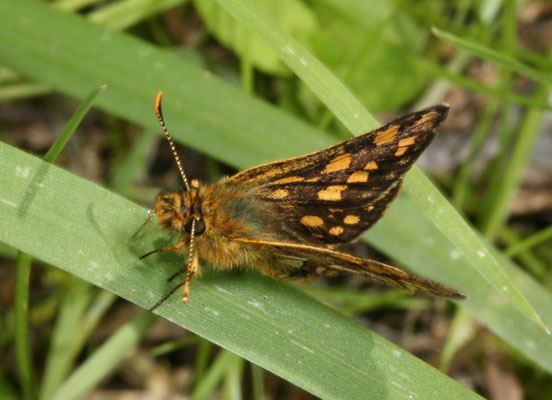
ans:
(290, 219)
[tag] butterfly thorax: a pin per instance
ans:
(222, 211)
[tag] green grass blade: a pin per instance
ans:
(18, 90)
(492, 55)
(22, 341)
(7, 392)
(513, 172)
(133, 163)
(7, 251)
(476, 86)
(536, 266)
(72, 125)
(174, 345)
(461, 189)
(98, 308)
(88, 235)
(60, 355)
(257, 384)
(206, 112)
(213, 375)
(123, 14)
(108, 356)
(353, 115)
(466, 240)
(202, 361)
(214, 117)
(294, 14)
(233, 379)
(328, 88)
(462, 330)
(529, 242)
(28, 380)
(74, 5)
(358, 301)
(432, 253)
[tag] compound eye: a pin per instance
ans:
(199, 226)
(184, 210)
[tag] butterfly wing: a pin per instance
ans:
(321, 261)
(335, 194)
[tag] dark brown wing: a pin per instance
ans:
(335, 194)
(325, 260)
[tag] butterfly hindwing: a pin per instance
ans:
(335, 194)
(323, 261)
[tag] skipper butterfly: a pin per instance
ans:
(289, 218)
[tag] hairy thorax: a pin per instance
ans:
(230, 211)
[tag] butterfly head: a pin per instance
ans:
(178, 211)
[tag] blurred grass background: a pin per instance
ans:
(490, 60)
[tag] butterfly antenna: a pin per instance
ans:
(159, 114)
(186, 280)
(190, 255)
(192, 266)
(192, 234)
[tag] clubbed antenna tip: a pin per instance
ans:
(159, 114)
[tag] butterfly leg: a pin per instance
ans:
(148, 219)
(163, 249)
(192, 270)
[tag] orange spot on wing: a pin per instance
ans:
(312, 221)
(430, 116)
(404, 144)
(339, 163)
(358, 176)
(400, 151)
(336, 230)
(407, 141)
(386, 136)
(351, 219)
(331, 193)
(289, 179)
(279, 194)
(371, 165)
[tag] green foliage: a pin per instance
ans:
(293, 15)
(342, 103)
(262, 320)
(83, 229)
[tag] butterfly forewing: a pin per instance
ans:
(334, 195)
